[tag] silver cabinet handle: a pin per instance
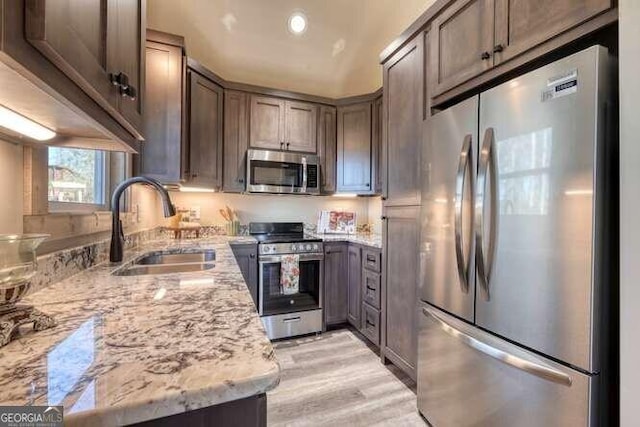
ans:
(463, 266)
(530, 366)
(484, 267)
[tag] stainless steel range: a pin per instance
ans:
(290, 279)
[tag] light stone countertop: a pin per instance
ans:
(130, 349)
(366, 239)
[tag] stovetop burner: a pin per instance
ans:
(286, 239)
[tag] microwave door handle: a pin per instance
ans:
(304, 174)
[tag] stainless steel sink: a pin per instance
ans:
(139, 270)
(167, 262)
(157, 258)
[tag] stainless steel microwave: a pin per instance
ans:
(282, 172)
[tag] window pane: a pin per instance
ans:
(76, 176)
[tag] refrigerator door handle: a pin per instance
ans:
(462, 261)
(484, 267)
(532, 366)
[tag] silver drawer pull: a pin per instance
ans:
(291, 319)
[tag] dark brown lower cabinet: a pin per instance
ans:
(248, 412)
(354, 274)
(401, 234)
(352, 287)
(371, 323)
(247, 259)
(335, 283)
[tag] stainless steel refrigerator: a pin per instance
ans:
(516, 244)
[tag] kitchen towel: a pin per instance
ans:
(290, 274)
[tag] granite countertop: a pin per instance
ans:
(366, 239)
(130, 349)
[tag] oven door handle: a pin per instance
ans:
(266, 259)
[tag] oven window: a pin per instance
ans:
(274, 301)
(276, 173)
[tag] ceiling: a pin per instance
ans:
(248, 40)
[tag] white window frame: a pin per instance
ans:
(112, 175)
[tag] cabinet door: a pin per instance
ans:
(401, 233)
(247, 258)
(354, 274)
(377, 145)
(354, 148)
(461, 43)
(126, 46)
(523, 24)
(403, 97)
(161, 154)
(236, 140)
(301, 126)
(205, 131)
(327, 149)
(267, 122)
(335, 283)
(72, 35)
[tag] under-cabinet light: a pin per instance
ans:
(18, 123)
(345, 195)
(196, 190)
(578, 192)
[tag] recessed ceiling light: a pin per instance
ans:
(297, 23)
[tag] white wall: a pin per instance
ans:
(269, 207)
(10, 188)
(629, 210)
(375, 214)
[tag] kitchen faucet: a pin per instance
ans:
(117, 236)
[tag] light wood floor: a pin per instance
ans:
(335, 379)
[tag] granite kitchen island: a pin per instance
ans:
(137, 348)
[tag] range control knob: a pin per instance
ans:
(315, 246)
(293, 248)
(308, 247)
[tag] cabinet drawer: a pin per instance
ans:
(371, 288)
(371, 323)
(371, 259)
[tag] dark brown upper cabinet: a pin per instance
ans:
(267, 122)
(403, 111)
(99, 44)
(327, 147)
(163, 154)
(377, 143)
(523, 24)
(278, 124)
(205, 121)
(127, 47)
(461, 43)
(354, 148)
(470, 37)
(236, 140)
(301, 123)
